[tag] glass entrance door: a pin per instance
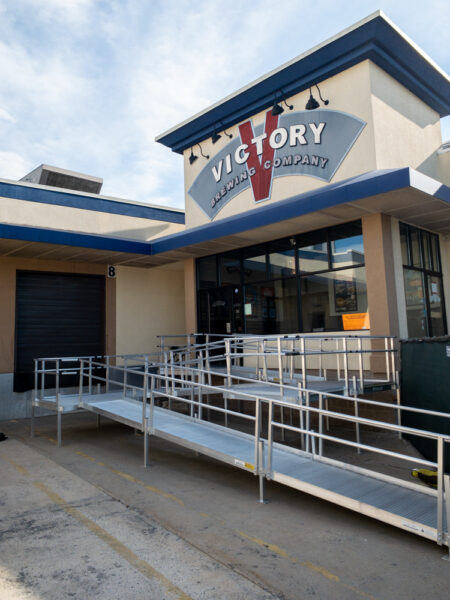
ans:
(221, 310)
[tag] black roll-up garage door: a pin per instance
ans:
(57, 314)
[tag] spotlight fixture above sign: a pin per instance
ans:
(193, 157)
(312, 102)
(277, 108)
(216, 136)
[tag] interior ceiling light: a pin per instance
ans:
(193, 157)
(277, 108)
(312, 102)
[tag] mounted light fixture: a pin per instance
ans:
(216, 136)
(312, 102)
(193, 157)
(277, 108)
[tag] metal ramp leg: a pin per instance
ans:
(32, 420)
(447, 512)
(261, 473)
(145, 448)
(58, 424)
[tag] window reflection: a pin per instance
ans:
(282, 264)
(415, 303)
(327, 265)
(271, 307)
(328, 297)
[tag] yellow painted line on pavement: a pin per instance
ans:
(131, 478)
(304, 563)
(19, 468)
(272, 547)
(141, 565)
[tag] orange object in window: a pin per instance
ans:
(356, 321)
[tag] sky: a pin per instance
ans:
(87, 85)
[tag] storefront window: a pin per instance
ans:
(436, 305)
(415, 247)
(271, 307)
(282, 263)
(313, 252)
(425, 310)
(255, 264)
(346, 245)
(416, 312)
(328, 300)
(326, 266)
(207, 272)
(230, 268)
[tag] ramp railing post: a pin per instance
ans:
(144, 412)
(280, 365)
(270, 439)
(301, 397)
(43, 380)
(320, 357)
(399, 412)
(357, 426)
(90, 376)
(125, 376)
(80, 385)
(257, 434)
(338, 362)
(152, 399)
(166, 372)
(107, 374)
(392, 349)
(344, 343)
(264, 360)
(144, 394)
(291, 362)
(447, 510)
(58, 408)
(388, 362)
(228, 360)
(303, 353)
(172, 372)
(35, 392)
(308, 421)
(261, 471)
(320, 424)
(201, 381)
(361, 366)
(440, 490)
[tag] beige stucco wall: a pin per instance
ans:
(190, 295)
(407, 132)
(444, 167)
(150, 302)
(36, 214)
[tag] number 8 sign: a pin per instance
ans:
(111, 271)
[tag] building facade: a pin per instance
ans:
(316, 198)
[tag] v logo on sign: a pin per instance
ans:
(261, 163)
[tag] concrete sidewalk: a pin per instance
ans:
(87, 520)
(61, 537)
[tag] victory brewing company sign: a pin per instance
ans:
(299, 143)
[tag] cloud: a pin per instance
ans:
(13, 166)
(6, 116)
(88, 84)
